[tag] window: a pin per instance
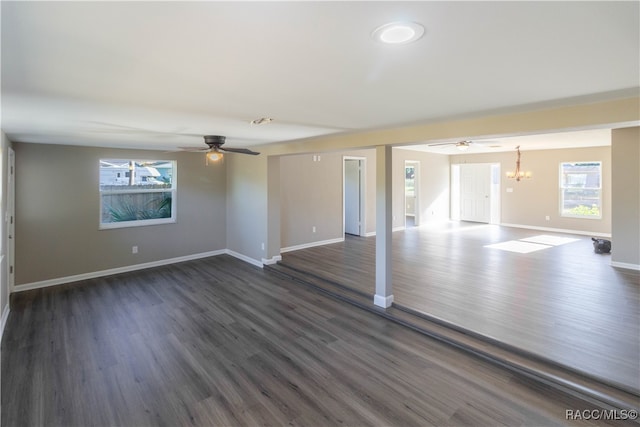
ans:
(581, 189)
(137, 192)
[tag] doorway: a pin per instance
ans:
(353, 214)
(411, 205)
(475, 192)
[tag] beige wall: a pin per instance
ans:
(57, 213)
(433, 186)
(533, 199)
(625, 155)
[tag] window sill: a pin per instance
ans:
(139, 223)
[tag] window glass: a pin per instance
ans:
(581, 189)
(136, 192)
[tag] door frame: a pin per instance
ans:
(416, 180)
(10, 218)
(362, 162)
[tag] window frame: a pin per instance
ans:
(139, 222)
(563, 187)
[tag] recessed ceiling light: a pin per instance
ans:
(398, 32)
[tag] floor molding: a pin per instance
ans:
(273, 260)
(244, 258)
(557, 230)
(117, 270)
(625, 265)
(5, 316)
(311, 245)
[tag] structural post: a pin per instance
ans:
(384, 289)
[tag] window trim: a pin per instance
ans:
(561, 189)
(140, 222)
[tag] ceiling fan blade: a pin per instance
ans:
(441, 143)
(239, 150)
(194, 149)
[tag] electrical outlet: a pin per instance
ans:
(313, 229)
(134, 249)
(548, 218)
(263, 246)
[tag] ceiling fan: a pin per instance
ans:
(215, 151)
(460, 145)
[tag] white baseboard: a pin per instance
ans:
(111, 271)
(557, 230)
(244, 258)
(311, 245)
(381, 301)
(393, 230)
(272, 260)
(5, 316)
(625, 265)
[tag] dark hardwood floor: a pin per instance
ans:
(216, 342)
(564, 303)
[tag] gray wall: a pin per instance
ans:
(311, 193)
(57, 213)
(4, 285)
(533, 199)
(625, 156)
(310, 196)
(247, 207)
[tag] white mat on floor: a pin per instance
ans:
(549, 240)
(518, 246)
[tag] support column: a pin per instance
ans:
(625, 198)
(384, 288)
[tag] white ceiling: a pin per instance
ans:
(549, 141)
(159, 75)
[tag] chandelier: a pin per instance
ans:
(518, 174)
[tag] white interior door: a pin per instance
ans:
(352, 196)
(475, 192)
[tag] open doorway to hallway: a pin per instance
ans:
(411, 193)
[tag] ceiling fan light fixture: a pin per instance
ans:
(398, 32)
(214, 155)
(462, 145)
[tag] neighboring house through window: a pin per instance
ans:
(581, 189)
(137, 192)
